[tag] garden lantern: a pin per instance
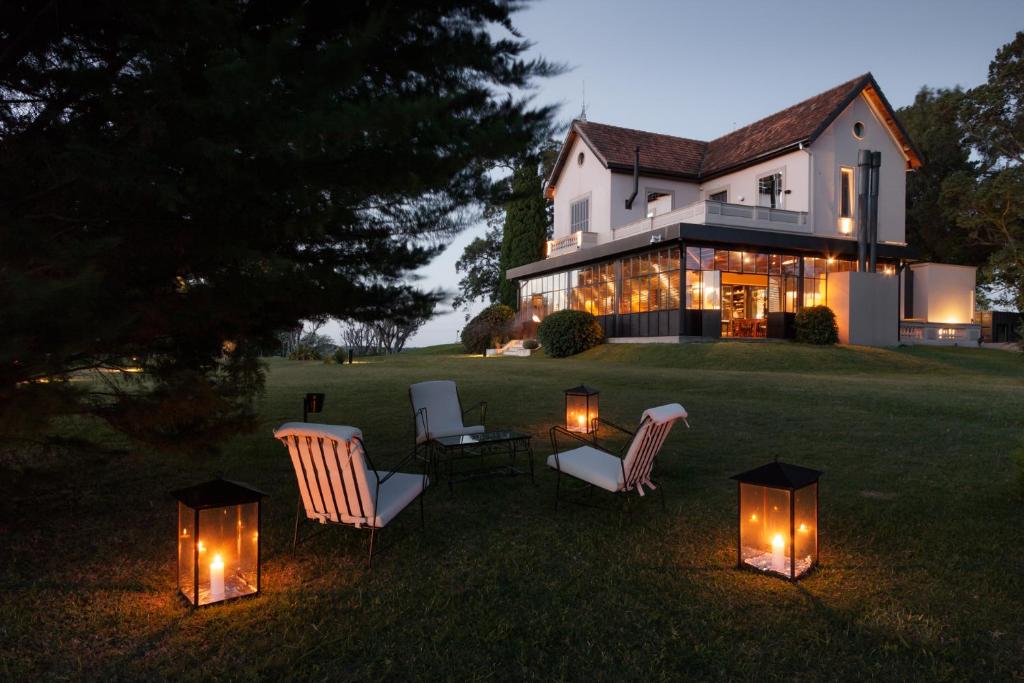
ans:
(778, 519)
(313, 403)
(218, 541)
(581, 409)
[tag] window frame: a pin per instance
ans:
(572, 217)
(780, 190)
(849, 194)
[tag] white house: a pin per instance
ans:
(665, 237)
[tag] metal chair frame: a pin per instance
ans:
(424, 451)
(358, 504)
(629, 484)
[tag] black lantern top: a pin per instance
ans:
(218, 493)
(582, 390)
(780, 475)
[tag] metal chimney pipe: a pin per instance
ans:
(863, 180)
(636, 178)
(876, 163)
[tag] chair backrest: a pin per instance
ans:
(655, 424)
(436, 408)
(331, 469)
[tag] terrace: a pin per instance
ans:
(706, 212)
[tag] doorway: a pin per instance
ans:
(744, 305)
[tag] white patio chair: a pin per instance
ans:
(338, 483)
(613, 472)
(437, 411)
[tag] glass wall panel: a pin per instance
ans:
(707, 259)
(805, 541)
(693, 289)
(712, 285)
(650, 282)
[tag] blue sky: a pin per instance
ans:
(700, 69)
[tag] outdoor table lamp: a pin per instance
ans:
(312, 403)
(778, 519)
(581, 409)
(218, 541)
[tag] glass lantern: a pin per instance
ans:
(218, 541)
(778, 519)
(581, 409)
(312, 403)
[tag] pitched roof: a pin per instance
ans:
(668, 155)
(780, 130)
(664, 154)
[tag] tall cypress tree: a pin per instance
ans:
(526, 226)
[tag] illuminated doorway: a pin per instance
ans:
(744, 305)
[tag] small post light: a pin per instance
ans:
(313, 403)
(778, 519)
(581, 409)
(218, 541)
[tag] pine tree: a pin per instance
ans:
(181, 180)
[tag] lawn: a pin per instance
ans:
(922, 572)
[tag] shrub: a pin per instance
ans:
(816, 325)
(303, 352)
(490, 328)
(566, 333)
(531, 344)
(341, 355)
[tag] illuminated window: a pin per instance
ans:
(650, 282)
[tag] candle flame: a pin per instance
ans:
(803, 527)
(202, 547)
(217, 562)
(753, 517)
(778, 543)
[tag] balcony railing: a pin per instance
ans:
(577, 240)
(703, 212)
(921, 332)
(721, 213)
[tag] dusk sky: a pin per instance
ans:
(701, 69)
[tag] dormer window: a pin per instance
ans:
(580, 214)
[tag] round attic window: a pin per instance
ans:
(858, 130)
(579, 158)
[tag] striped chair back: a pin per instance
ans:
(331, 469)
(655, 424)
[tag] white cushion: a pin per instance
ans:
(339, 432)
(443, 412)
(665, 413)
(592, 465)
(397, 492)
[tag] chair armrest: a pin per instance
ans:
(558, 429)
(411, 455)
(482, 406)
(601, 420)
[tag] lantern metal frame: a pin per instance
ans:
(588, 393)
(782, 477)
(218, 493)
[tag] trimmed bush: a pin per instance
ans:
(817, 325)
(567, 333)
(303, 352)
(531, 344)
(492, 327)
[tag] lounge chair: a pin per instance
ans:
(437, 411)
(612, 472)
(338, 483)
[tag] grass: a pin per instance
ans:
(922, 573)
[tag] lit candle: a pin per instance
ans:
(216, 579)
(778, 554)
(582, 422)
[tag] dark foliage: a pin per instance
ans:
(181, 180)
(566, 333)
(303, 352)
(491, 327)
(531, 344)
(526, 227)
(816, 325)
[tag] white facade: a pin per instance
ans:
(810, 181)
(837, 147)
